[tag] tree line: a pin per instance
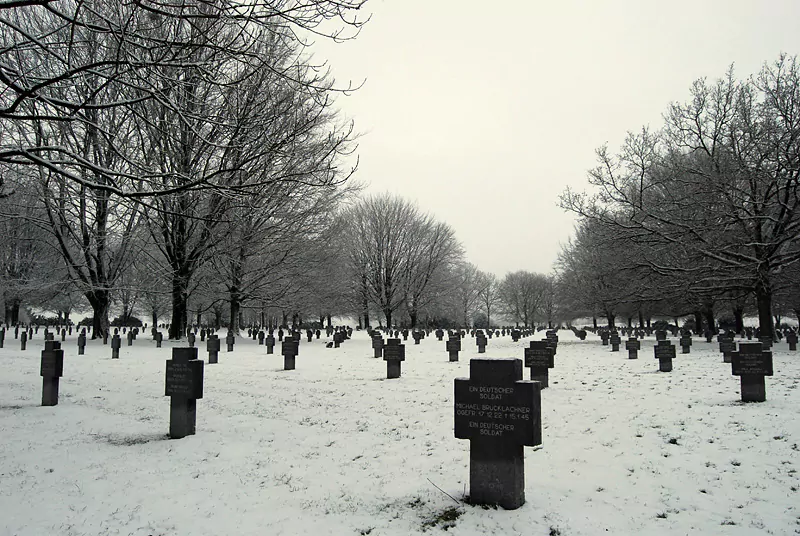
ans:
(699, 215)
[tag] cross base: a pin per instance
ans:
(496, 474)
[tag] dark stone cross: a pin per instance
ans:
(615, 341)
(377, 344)
(230, 340)
(394, 353)
(82, 342)
(212, 347)
(604, 337)
(751, 363)
(261, 336)
(191, 338)
(686, 343)
(184, 386)
(417, 335)
(269, 342)
(52, 368)
(726, 346)
(665, 352)
(633, 345)
(500, 414)
(23, 340)
(540, 359)
(160, 339)
(661, 335)
(2, 336)
(515, 335)
(289, 350)
(453, 346)
(63, 334)
(480, 341)
(116, 344)
(791, 338)
(439, 334)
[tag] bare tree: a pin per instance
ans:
(522, 294)
(488, 294)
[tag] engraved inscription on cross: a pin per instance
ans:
(751, 363)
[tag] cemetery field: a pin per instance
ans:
(333, 447)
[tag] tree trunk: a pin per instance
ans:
(235, 305)
(610, 317)
(709, 314)
(764, 304)
(738, 315)
(698, 323)
(414, 315)
(594, 322)
(99, 300)
(328, 318)
(180, 304)
(155, 319)
(388, 314)
(641, 319)
(630, 322)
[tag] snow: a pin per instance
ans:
(334, 448)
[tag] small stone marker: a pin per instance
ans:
(160, 338)
(212, 347)
(751, 363)
(439, 334)
(540, 359)
(480, 341)
(63, 334)
(615, 341)
(417, 335)
(116, 343)
(665, 352)
(269, 341)
(499, 413)
(377, 345)
(82, 342)
(394, 353)
(338, 337)
(661, 335)
(633, 345)
(23, 340)
(726, 346)
(289, 348)
(184, 386)
(191, 338)
(261, 336)
(2, 336)
(453, 346)
(203, 335)
(604, 337)
(791, 338)
(686, 343)
(230, 340)
(52, 368)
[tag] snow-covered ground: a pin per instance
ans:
(334, 448)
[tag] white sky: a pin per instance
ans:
(483, 112)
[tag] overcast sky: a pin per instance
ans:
(483, 112)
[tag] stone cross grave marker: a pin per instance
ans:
(453, 346)
(726, 346)
(23, 340)
(417, 335)
(633, 345)
(661, 335)
(63, 334)
(191, 338)
(269, 342)
(515, 335)
(791, 339)
(615, 341)
(500, 414)
(230, 340)
(212, 347)
(665, 352)
(540, 359)
(130, 338)
(116, 344)
(439, 334)
(685, 342)
(394, 353)
(184, 386)
(604, 336)
(82, 342)
(160, 339)
(480, 341)
(289, 350)
(751, 363)
(2, 337)
(51, 369)
(261, 336)
(377, 344)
